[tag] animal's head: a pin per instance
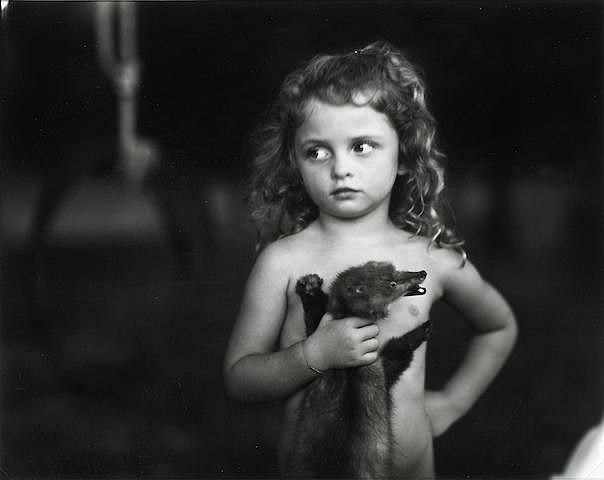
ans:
(367, 290)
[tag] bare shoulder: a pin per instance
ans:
(278, 261)
(287, 251)
(441, 260)
(274, 255)
(446, 260)
(452, 267)
(479, 301)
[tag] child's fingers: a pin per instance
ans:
(370, 345)
(357, 322)
(369, 357)
(369, 331)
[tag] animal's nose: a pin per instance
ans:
(419, 276)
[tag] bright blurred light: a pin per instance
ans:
(4, 4)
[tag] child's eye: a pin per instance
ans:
(317, 153)
(362, 148)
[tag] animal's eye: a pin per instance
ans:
(359, 289)
(393, 284)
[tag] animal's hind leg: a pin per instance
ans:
(313, 299)
(398, 352)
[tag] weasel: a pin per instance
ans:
(343, 426)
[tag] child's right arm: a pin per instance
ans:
(254, 371)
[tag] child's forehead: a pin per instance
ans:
(320, 116)
(358, 97)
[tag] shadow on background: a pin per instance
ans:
(117, 307)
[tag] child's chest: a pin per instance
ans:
(404, 314)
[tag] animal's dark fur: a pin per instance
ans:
(343, 427)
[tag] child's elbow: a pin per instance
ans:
(233, 383)
(229, 376)
(511, 329)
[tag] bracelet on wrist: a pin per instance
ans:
(308, 365)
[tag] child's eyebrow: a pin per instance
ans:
(369, 136)
(305, 141)
(356, 138)
(310, 143)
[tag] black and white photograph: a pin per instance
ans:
(314, 239)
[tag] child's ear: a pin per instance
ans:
(402, 170)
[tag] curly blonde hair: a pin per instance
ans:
(380, 72)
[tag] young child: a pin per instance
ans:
(346, 171)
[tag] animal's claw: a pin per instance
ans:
(309, 284)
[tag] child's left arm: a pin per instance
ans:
(495, 330)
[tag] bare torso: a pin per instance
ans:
(410, 426)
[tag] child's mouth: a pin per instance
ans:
(343, 191)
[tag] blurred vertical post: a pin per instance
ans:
(119, 60)
(4, 7)
(127, 81)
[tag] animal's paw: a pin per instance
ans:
(309, 284)
(314, 300)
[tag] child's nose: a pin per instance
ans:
(341, 166)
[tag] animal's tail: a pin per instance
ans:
(322, 432)
(370, 437)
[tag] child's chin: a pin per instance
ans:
(349, 211)
(349, 215)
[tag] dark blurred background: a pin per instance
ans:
(118, 297)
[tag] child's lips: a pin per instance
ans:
(344, 191)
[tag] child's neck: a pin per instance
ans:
(365, 228)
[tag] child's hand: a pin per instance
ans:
(342, 343)
(441, 411)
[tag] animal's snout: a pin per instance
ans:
(410, 281)
(412, 276)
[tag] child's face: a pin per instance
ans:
(347, 156)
